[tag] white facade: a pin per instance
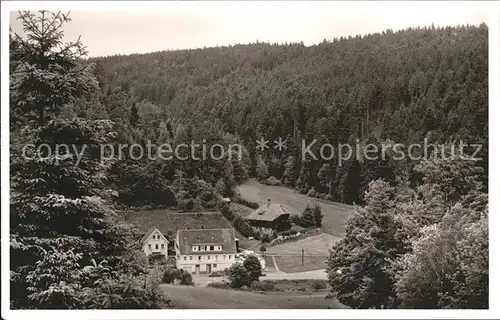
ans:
(155, 243)
(204, 262)
(204, 258)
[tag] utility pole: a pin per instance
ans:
(302, 256)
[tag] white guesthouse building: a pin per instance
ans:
(205, 250)
(154, 242)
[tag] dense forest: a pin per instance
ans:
(418, 237)
(399, 87)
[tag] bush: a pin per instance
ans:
(239, 276)
(272, 181)
(257, 235)
(296, 229)
(295, 219)
(318, 285)
(311, 193)
(263, 248)
(219, 285)
(170, 275)
(266, 238)
(186, 279)
(263, 285)
(252, 265)
(157, 259)
(330, 197)
(217, 274)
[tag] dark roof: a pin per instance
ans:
(168, 221)
(224, 237)
(269, 212)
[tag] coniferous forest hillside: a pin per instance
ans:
(399, 87)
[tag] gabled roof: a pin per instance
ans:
(150, 232)
(269, 212)
(223, 237)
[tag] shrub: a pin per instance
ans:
(318, 285)
(266, 238)
(263, 285)
(219, 285)
(252, 265)
(157, 259)
(330, 197)
(263, 248)
(186, 278)
(257, 234)
(295, 219)
(216, 274)
(295, 229)
(170, 275)
(272, 181)
(239, 276)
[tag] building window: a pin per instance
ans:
(229, 257)
(195, 248)
(156, 246)
(190, 257)
(149, 246)
(185, 258)
(199, 257)
(163, 246)
(215, 265)
(216, 257)
(211, 248)
(208, 257)
(224, 257)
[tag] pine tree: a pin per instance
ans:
(307, 218)
(57, 216)
(318, 216)
(46, 64)
(261, 170)
(359, 265)
(134, 116)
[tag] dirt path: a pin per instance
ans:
(275, 264)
